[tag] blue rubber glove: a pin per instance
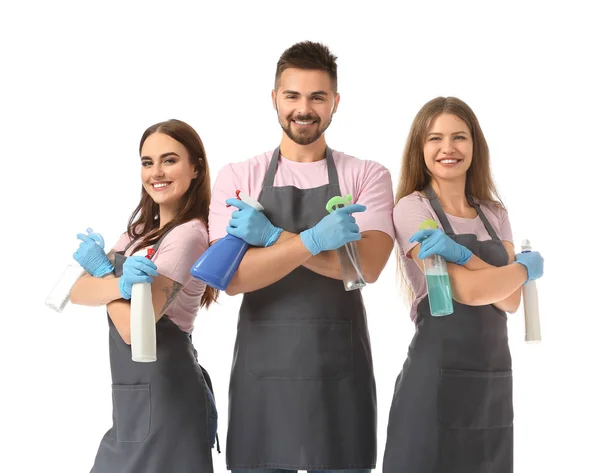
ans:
(136, 269)
(91, 256)
(251, 225)
(534, 263)
(436, 242)
(333, 231)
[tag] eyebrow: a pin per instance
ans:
(162, 156)
(455, 133)
(318, 92)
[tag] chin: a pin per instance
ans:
(452, 177)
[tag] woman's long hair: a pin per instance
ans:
(143, 226)
(414, 175)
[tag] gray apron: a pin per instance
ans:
(161, 410)
(452, 408)
(302, 391)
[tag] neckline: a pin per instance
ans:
(291, 162)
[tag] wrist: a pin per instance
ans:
(103, 271)
(309, 242)
(273, 235)
(465, 256)
(125, 294)
(524, 272)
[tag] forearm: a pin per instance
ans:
(164, 292)
(325, 263)
(120, 314)
(91, 291)
(509, 304)
(374, 249)
(487, 286)
(262, 267)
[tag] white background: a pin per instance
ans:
(82, 80)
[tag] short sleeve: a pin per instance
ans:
(219, 214)
(409, 213)
(180, 249)
(121, 242)
(505, 228)
(377, 195)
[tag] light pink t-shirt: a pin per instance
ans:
(368, 182)
(409, 213)
(174, 258)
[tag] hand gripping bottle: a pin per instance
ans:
(533, 333)
(348, 256)
(142, 324)
(438, 281)
(218, 264)
(59, 296)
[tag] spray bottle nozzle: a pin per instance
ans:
(237, 196)
(525, 246)
(428, 224)
(96, 237)
(335, 202)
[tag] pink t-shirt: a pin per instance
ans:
(176, 254)
(409, 213)
(368, 182)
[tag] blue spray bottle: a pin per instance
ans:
(218, 264)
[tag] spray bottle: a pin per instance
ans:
(438, 281)
(218, 264)
(533, 333)
(142, 323)
(59, 296)
(348, 256)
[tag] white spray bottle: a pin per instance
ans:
(533, 333)
(142, 324)
(59, 296)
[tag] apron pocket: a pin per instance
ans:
(302, 349)
(475, 399)
(476, 415)
(132, 411)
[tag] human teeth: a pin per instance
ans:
(449, 161)
(161, 184)
(303, 123)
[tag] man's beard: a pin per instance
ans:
(304, 138)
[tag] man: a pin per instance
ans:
(302, 391)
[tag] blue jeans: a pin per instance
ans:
(296, 471)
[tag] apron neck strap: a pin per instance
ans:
(272, 170)
(483, 218)
(439, 211)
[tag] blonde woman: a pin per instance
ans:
(452, 407)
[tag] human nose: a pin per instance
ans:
(303, 106)
(447, 146)
(157, 171)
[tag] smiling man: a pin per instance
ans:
(302, 392)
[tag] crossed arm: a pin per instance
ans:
(478, 283)
(91, 291)
(262, 267)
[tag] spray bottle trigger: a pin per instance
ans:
(96, 237)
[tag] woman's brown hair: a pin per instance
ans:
(414, 175)
(143, 226)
